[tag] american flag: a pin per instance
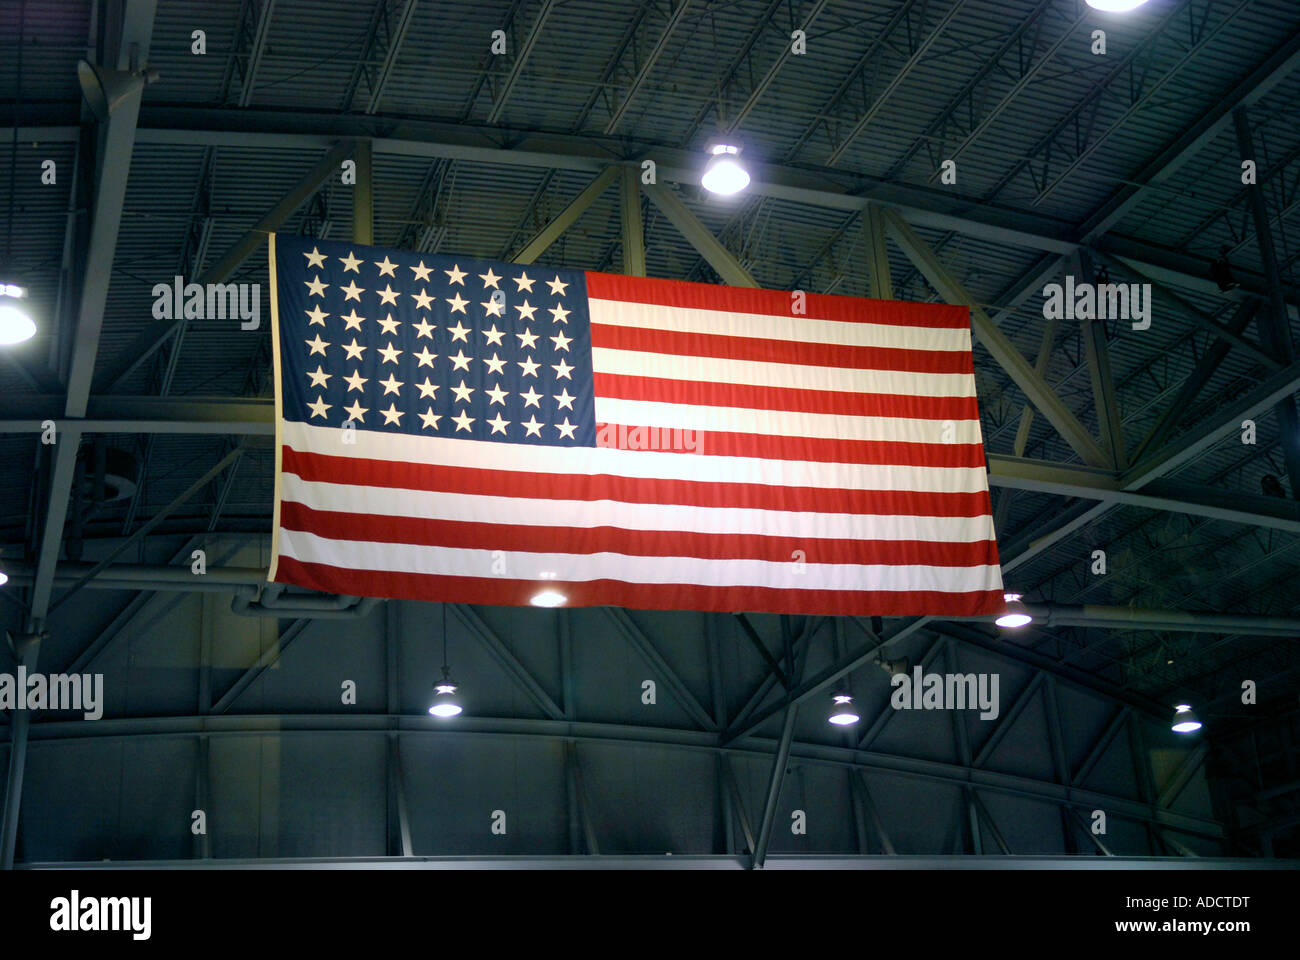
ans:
(451, 428)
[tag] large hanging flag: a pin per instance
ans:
(449, 428)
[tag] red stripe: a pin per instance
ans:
(447, 478)
(637, 596)
(427, 532)
(718, 346)
(776, 303)
(819, 450)
(625, 387)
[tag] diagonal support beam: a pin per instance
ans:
(651, 59)
(508, 662)
(535, 247)
(700, 237)
(1040, 394)
(521, 58)
(642, 645)
(156, 334)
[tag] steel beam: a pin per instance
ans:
(999, 347)
(156, 334)
(633, 228)
(722, 260)
(674, 20)
(363, 195)
(878, 270)
(535, 247)
(1274, 322)
(809, 754)
(390, 56)
(508, 662)
(777, 778)
(261, 32)
(521, 58)
(642, 645)
(115, 163)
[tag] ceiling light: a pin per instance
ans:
(1017, 614)
(723, 174)
(1115, 6)
(16, 325)
(445, 702)
(548, 598)
(4, 578)
(842, 712)
(1185, 719)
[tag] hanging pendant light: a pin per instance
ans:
(446, 699)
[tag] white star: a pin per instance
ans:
(530, 368)
(562, 370)
(315, 286)
(425, 358)
(354, 349)
(350, 263)
(352, 321)
(564, 400)
(422, 272)
(557, 286)
(352, 291)
(386, 267)
(319, 407)
(489, 279)
(460, 361)
(388, 295)
(560, 340)
(495, 364)
(427, 389)
(424, 329)
(392, 385)
(319, 376)
(494, 308)
(458, 303)
(524, 282)
(357, 382)
(462, 392)
(357, 412)
(493, 336)
(423, 299)
(498, 425)
(526, 339)
(390, 353)
(317, 316)
(533, 427)
(566, 428)
(389, 326)
(431, 419)
(525, 311)
(317, 346)
(497, 394)
(315, 258)
(531, 398)
(560, 314)
(458, 333)
(463, 421)
(455, 274)
(392, 414)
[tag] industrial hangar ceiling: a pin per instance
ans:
(1145, 468)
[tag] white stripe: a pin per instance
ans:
(646, 464)
(783, 423)
(574, 568)
(528, 510)
(797, 329)
(759, 373)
